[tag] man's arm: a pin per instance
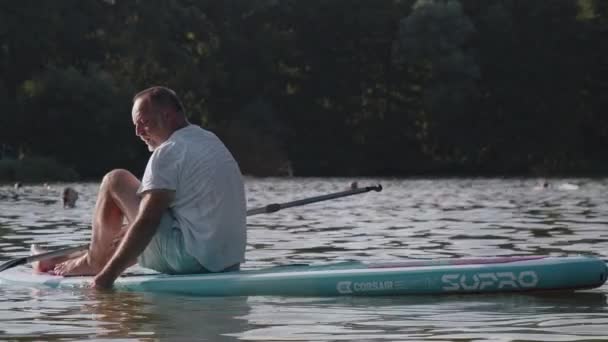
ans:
(153, 205)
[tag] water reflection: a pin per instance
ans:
(474, 317)
(416, 218)
(170, 317)
(59, 315)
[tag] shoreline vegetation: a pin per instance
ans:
(35, 170)
(344, 88)
(39, 170)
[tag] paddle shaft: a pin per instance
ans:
(271, 208)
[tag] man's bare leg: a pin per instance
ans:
(117, 200)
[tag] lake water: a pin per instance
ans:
(414, 218)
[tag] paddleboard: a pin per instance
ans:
(419, 277)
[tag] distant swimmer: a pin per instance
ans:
(354, 185)
(567, 186)
(70, 196)
(542, 185)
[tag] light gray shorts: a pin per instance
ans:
(166, 252)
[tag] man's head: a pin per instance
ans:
(157, 113)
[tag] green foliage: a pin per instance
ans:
(76, 117)
(35, 169)
(159, 42)
(434, 39)
(340, 87)
(534, 67)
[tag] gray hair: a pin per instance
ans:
(161, 96)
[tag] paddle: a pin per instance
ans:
(270, 208)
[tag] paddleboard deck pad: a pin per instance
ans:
(420, 277)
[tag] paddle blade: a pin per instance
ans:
(12, 263)
(42, 256)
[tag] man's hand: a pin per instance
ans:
(103, 282)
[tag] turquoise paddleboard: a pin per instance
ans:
(442, 276)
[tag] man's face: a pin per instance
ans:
(149, 123)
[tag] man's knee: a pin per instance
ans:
(117, 179)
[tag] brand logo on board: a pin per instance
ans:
(489, 280)
(346, 287)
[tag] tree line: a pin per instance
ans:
(315, 87)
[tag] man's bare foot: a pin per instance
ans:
(80, 266)
(43, 266)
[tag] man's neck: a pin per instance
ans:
(180, 125)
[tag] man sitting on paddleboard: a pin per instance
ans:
(187, 215)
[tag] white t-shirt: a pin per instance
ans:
(209, 204)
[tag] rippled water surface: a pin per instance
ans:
(422, 219)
